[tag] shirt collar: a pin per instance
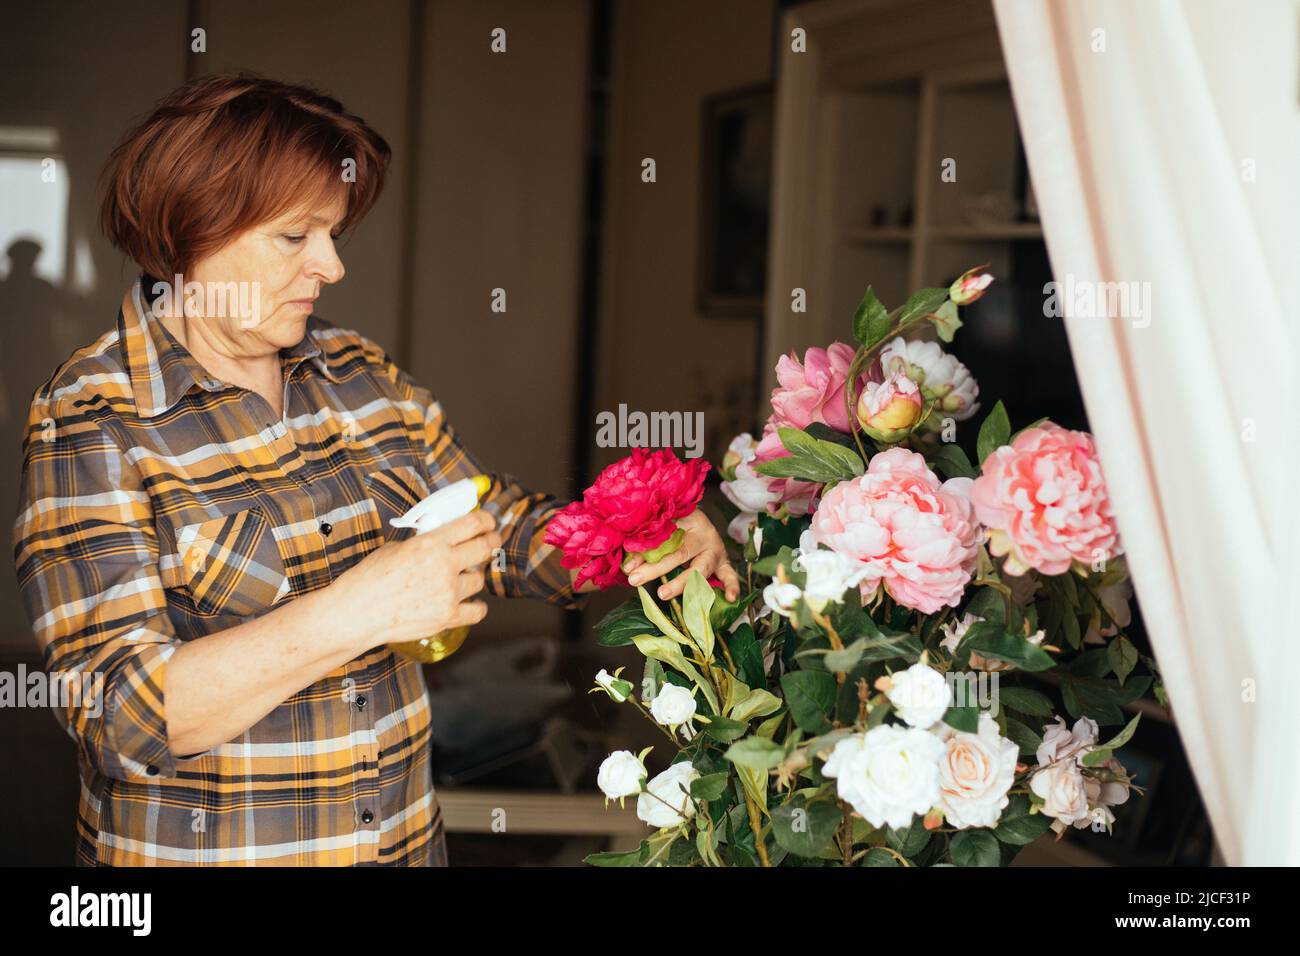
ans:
(162, 370)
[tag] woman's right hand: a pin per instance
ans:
(406, 590)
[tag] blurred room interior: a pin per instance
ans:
(524, 171)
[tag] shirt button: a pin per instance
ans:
(367, 817)
(361, 702)
(326, 528)
(151, 770)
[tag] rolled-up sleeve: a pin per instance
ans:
(527, 565)
(86, 554)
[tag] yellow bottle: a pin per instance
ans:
(444, 505)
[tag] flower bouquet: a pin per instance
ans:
(888, 689)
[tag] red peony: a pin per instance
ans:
(632, 507)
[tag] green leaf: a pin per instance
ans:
(1026, 701)
(724, 613)
(1018, 826)
(1123, 657)
(1104, 752)
(877, 856)
(845, 660)
(630, 858)
(922, 302)
(658, 618)
(951, 460)
(709, 787)
(756, 703)
(726, 729)
(988, 604)
(784, 558)
(805, 829)
(697, 599)
(620, 625)
(812, 459)
(1013, 648)
(870, 320)
(769, 727)
(946, 321)
(994, 433)
(826, 433)
(756, 753)
(975, 848)
(809, 695)
(911, 840)
(1023, 737)
(965, 719)
(1100, 699)
(747, 655)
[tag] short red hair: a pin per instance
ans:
(225, 152)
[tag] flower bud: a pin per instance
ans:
(970, 286)
(888, 410)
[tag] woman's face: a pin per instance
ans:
(256, 293)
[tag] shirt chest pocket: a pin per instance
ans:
(395, 491)
(228, 565)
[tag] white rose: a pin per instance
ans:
(1067, 745)
(781, 598)
(673, 705)
(975, 775)
(621, 775)
(920, 695)
(1064, 793)
(888, 775)
(828, 574)
(666, 800)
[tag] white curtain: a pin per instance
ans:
(1163, 141)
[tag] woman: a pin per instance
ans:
(205, 505)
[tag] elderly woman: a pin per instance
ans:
(205, 506)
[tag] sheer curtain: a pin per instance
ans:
(1163, 140)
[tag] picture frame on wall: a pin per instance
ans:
(735, 202)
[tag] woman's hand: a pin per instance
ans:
(702, 548)
(411, 589)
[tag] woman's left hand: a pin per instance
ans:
(702, 548)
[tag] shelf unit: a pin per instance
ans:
(866, 120)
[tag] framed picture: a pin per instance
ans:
(735, 202)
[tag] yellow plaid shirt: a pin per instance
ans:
(159, 505)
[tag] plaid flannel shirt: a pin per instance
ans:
(159, 505)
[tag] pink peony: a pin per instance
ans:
(632, 507)
(813, 391)
(916, 535)
(809, 391)
(1044, 501)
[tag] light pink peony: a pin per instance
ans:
(1044, 501)
(916, 535)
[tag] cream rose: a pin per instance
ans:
(1064, 793)
(975, 774)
